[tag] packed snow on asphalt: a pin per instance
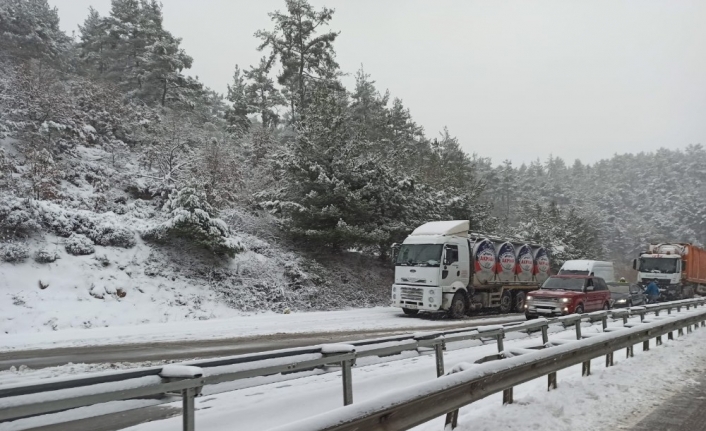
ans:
(364, 319)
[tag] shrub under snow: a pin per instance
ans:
(44, 256)
(113, 236)
(79, 245)
(194, 219)
(13, 252)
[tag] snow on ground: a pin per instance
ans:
(112, 287)
(633, 387)
(366, 319)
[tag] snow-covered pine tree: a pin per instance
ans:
(193, 219)
(262, 97)
(237, 114)
(29, 29)
(306, 55)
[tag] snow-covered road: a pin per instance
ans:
(364, 320)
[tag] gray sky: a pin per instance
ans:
(513, 80)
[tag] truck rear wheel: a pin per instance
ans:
(459, 305)
(410, 312)
(506, 302)
(520, 302)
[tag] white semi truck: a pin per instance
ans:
(442, 266)
(678, 268)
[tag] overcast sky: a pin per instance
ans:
(514, 80)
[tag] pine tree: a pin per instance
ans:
(30, 29)
(237, 115)
(94, 41)
(262, 97)
(307, 57)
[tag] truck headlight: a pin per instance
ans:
(621, 301)
(431, 292)
(529, 297)
(394, 296)
(431, 300)
(394, 288)
(565, 300)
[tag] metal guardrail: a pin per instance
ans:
(409, 407)
(187, 381)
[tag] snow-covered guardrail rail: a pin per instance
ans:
(412, 406)
(173, 382)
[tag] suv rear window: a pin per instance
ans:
(575, 284)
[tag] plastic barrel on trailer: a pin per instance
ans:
(542, 264)
(484, 261)
(507, 262)
(525, 263)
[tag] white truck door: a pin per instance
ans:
(450, 270)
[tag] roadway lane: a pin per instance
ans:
(683, 411)
(166, 351)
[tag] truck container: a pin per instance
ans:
(678, 268)
(442, 266)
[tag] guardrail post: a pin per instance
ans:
(507, 396)
(657, 312)
(551, 381)
(347, 363)
(630, 352)
(586, 368)
(347, 382)
(688, 306)
(439, 351)
(680, 332)
(578, 329)
(177, 372)
(501, 346)
(678, 308)
(604, 321)
(688, 328)
(609, 360)
(670, 335)
(545, 334)
(451, 420)
(646, 345)
(188, 412)
(669, 310)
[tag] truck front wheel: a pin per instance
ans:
(410, 312)
(459, 305)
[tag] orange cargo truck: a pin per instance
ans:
(680, 269)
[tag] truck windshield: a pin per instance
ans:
(661, 265)
(572, 272)
(419, 255)
(564, 283)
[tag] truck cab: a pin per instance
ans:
(568, 294)
(431, 266)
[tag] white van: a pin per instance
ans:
(596, 268)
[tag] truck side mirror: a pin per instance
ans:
(394, 251)
(634, 264)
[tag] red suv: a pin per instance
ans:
(567, 294)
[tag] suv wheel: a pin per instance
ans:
(579, 309)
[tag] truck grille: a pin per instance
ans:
(411, 294)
